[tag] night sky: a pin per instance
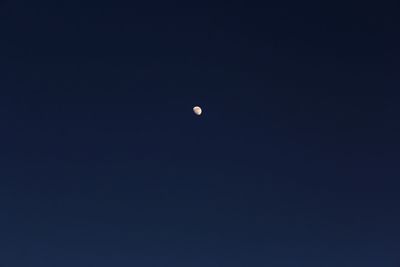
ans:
(294, 162)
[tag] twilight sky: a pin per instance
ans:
(294, 162)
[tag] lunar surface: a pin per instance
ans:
(197, 110)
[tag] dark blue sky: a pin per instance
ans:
(295, 161)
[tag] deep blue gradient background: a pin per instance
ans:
(294, 163)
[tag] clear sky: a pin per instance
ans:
(294, 162)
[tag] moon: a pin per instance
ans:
(197, 110)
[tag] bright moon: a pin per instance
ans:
(197, 110)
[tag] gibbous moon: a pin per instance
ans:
(197, 110)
